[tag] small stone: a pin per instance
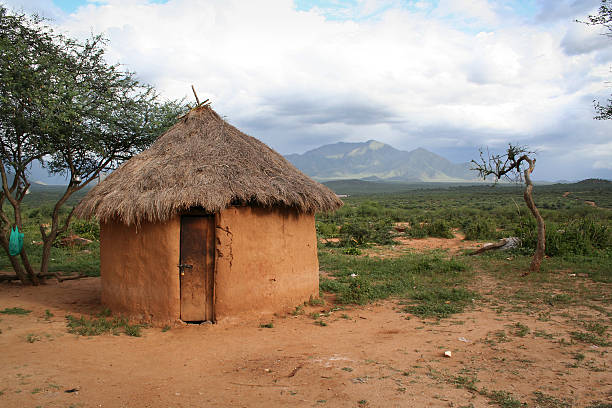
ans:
(448, 354)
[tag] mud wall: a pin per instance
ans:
(139, 271)
(266, 261)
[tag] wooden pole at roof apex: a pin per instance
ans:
(196, 95)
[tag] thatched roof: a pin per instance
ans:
(202, 161)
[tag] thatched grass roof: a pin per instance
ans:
(202, 161)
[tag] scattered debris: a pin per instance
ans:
(463, 339)
(294, 371)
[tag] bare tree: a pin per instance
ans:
(516, 164)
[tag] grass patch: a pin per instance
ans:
(267, 325)
(591, 338)
(548, 401)
(102, 325)
(439, 302)
(520, 329)
(596, 328)
(503, 398)
(431, 283)
(15, 311)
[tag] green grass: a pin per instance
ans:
(520, 329)
(503, 398)
(102, 325)
(430, 285)
(267, 325)
(548, 401)
(15, 311)
(590, 338)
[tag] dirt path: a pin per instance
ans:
(373, 356)
(587, 202)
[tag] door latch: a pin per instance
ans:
(182, 268)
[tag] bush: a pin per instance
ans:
(416, 231)
(86, 229)
(440, 229)
(580, 237)
(479, 228)
(362, 232)
(359, 291)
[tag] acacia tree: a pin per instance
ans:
(516, 164)
(603, 18)
(63, 105)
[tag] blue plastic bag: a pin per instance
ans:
(15, 242)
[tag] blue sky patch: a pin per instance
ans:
(70, 6)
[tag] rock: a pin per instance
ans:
(448, 354)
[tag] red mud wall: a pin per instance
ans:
(266, 261)
(139, 269)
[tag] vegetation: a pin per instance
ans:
(102, 325)
(15, 311)
(62, 105)
(517, 164)
(574, 228)
(604, 19)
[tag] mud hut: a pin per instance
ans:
(208, 224)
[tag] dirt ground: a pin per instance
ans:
(370, 356)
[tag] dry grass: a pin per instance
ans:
(205, 163)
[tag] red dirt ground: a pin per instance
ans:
(373, 356)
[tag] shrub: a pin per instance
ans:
(86, 229)
(417, 231)
(351, 251)
(440, 229)
(579, 237)
(359, 291)
(361, 232)
(479, 228)
(327, 230)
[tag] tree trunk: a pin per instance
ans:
(46, 254)
(528, 196)
(21, 274)
(30, 271)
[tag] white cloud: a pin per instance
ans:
(296, 79)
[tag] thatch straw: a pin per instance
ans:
(202, 162)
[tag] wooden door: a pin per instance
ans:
(197, 267)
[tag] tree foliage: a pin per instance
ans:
(604, 19)
(62, 104)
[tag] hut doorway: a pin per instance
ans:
(196, 268)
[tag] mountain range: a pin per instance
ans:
(373, 160)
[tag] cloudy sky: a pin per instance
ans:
(447, 75)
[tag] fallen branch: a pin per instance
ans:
(9, 278)
(61, 278)
(487, 247)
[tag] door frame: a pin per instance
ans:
(213, 220)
